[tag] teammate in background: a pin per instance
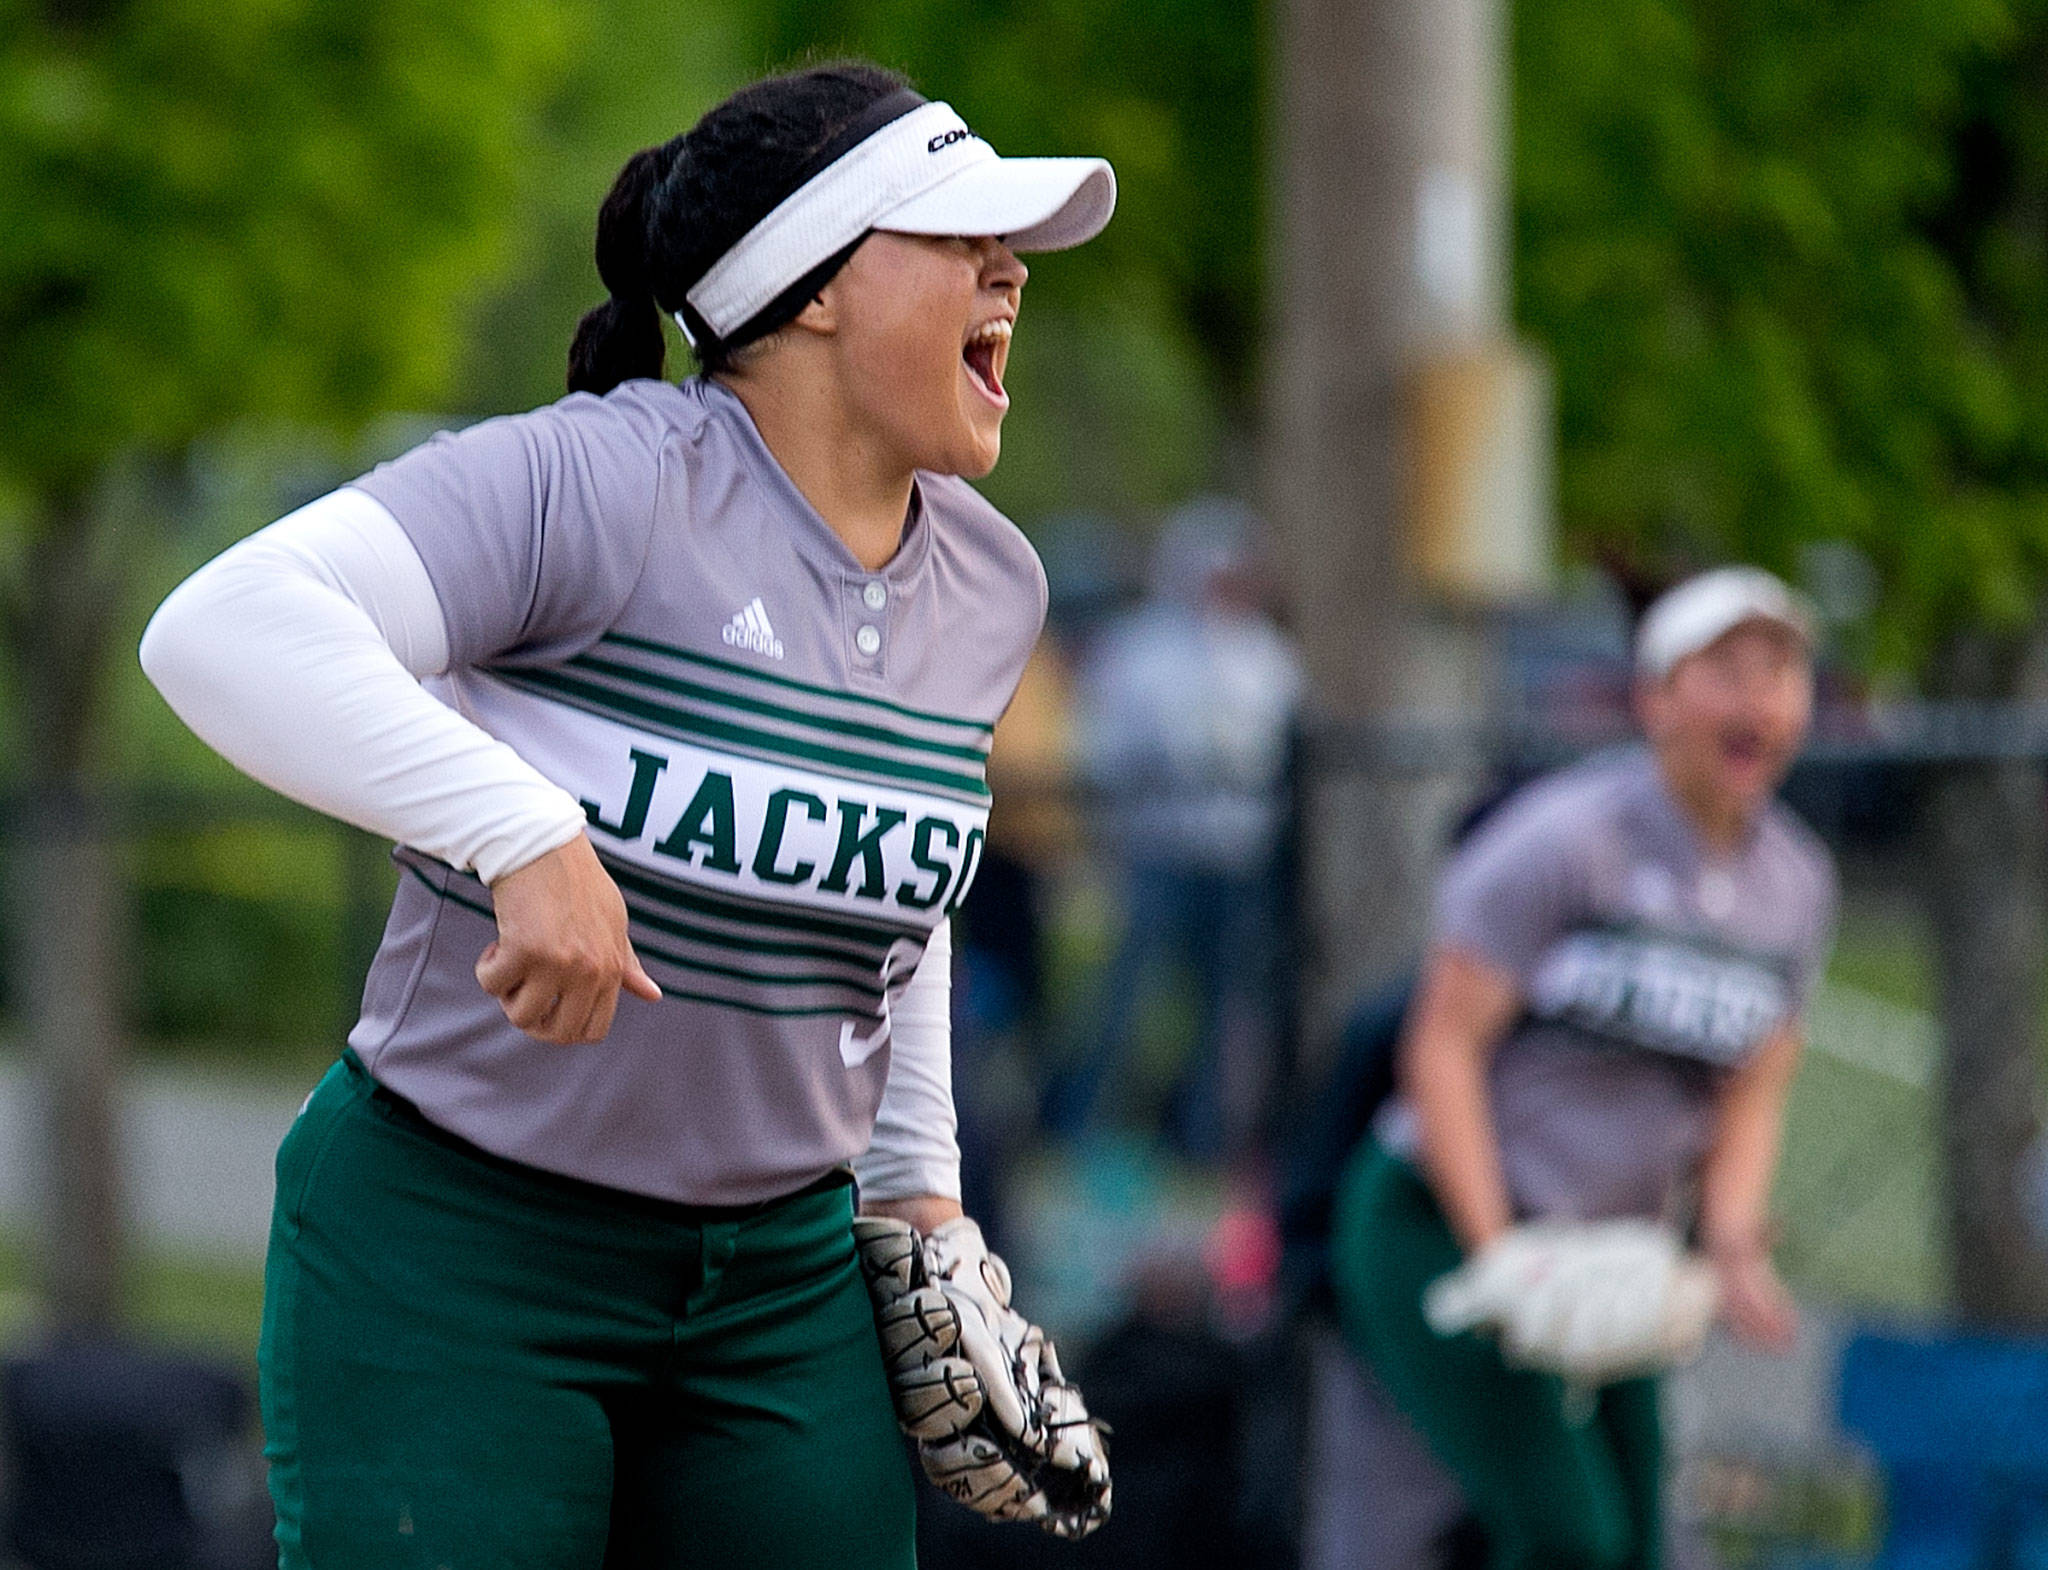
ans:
(1606, 1029)
(1185, 708)
(563, 1268)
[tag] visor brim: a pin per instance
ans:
(1696, 615)
(1033, 204)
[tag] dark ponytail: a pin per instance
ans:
(622, 339)
(675, 209)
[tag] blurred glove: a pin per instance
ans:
(976, 1384)
(1591, 1301)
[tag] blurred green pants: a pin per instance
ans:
(468, 1364)
(1561, 1480)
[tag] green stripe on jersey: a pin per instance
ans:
(819, 1011)
(766, 949)
(870, 992)
(872, 938)
(685, 726)
(450, 895)
(712, 662)
(876, 937)
(776, 711)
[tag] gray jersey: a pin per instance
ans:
(781, 756)
(1648, 972)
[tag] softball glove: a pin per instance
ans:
(1591, 1301)
(979, 1387)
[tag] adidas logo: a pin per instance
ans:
(749, 629)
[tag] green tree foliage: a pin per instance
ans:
(1789, 257)
(225, 207)
(220, 209)
(642, 70)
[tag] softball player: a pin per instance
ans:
(1596, 1063)
(677, 700)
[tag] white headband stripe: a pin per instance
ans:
(832, 209)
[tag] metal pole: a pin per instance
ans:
(1391, 246)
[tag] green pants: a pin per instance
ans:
(1561, 1480)
(468, 1364)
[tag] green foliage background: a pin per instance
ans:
(1789, 258)
(225, 207)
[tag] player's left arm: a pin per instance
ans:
(911, 1168)
(1735, 1190)
(975, 1383)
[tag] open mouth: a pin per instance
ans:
(1744, 748)
(986, 353)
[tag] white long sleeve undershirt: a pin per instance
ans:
(915, 1149)
(296, 655)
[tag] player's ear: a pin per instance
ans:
(820, 314)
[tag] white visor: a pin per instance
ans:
(922, 173)
(1688, 618)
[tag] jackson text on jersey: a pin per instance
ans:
(783, 848)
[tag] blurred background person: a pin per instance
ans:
(1607, 1026)
(1185, 709)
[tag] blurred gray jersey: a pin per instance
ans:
(1648, 972)
(781, 756)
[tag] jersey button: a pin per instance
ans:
(867, 640)
(874, 596)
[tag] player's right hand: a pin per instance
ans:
(562, 953)
(1754, 1302)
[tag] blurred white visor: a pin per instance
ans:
(1688, 618)
(922, 173)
